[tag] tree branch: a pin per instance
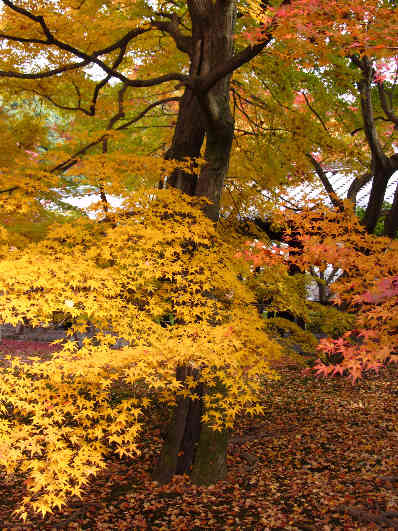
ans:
(67, 164)
(102, 83)
(87, 59)
(355, 131)
(29, 40)
(356, 185)
(315, 113)
(204, 84)
(326, 183)
(367, 111)
(7, 190)
(386, 104)
(43, 75)
(59, 105)
(183, 42)
(146, 110)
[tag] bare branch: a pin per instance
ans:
(8, 190)
(67, 164)
(315, 112)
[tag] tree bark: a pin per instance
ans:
(178, 452)
(383, 167)
(187, 141)
(191, 447)
(218, 148)
(391, 221)
(381, 176)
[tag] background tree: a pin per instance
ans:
(367, 48)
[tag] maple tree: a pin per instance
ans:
(211, 60)
(126, 277)
(328, 108)
(155, 271)
(366, 284)
(298, 448)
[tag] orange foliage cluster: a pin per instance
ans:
(367, 285)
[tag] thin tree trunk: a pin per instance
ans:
(391, 221)
(377, 193)
(383, 167)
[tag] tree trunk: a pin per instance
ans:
(383, 167)
(391, 221)
(187, 142)
(323, 293)
(178, 452)
(218, 148)
(191, 447)
(374, 207)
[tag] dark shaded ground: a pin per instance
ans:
(324, 456)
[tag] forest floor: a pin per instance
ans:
(323, 457)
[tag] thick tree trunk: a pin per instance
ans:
(218, 41)
(191, 447)
(178, 452)
(218, 148)
(187, 142)
(210, 463)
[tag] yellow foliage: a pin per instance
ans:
(291, 336)
(329, 320)
(155, 273)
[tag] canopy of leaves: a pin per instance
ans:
(161, 279)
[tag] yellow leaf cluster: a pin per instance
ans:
(156, 274)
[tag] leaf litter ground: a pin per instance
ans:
(324, 456)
